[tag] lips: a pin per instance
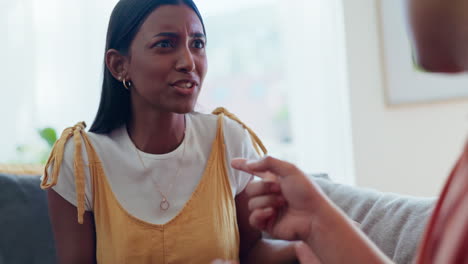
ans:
(185, 87)
(185, 84)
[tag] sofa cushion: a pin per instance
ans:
(26, 235)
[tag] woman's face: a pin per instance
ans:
(167, 62)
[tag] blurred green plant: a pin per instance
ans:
(37, 153)
(281, 123)
(49, 135)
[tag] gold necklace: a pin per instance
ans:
(164, 204)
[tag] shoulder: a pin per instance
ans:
(97, 141)
(202, 119)
(232, 129)
(100, 140)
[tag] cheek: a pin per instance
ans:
(158, 67)
(152, 72)
(203, 67)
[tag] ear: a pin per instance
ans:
(117, 64)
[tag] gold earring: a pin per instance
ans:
(127, 86)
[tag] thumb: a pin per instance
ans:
(305, 255)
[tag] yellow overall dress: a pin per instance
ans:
(205, 229)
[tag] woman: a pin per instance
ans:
(150, 181)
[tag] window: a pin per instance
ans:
(278, 65)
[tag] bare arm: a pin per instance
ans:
(254, 249)
(75, 243)
(336, 239)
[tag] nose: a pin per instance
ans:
(185, 62)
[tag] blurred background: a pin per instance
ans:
(308, 76)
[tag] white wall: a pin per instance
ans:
(405, 149)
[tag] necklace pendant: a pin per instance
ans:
(164, 205)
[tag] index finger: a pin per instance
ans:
(242, 164)
(266, 164)
(277, 166)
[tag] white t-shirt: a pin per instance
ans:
(176, 173)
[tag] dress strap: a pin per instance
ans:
(257, 143)
(56, 158)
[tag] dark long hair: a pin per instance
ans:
(125, 21)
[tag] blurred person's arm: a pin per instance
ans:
(395, 223)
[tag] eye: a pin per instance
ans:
(198, 44)
(164, 44)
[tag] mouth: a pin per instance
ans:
(185, 87)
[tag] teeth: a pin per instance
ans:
(186, 85)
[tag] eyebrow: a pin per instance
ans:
(175, 35)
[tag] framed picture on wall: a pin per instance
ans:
(405, 82)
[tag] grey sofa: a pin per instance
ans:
(25, 232)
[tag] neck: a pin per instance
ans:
(156, 132)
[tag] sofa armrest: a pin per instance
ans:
(395, 223)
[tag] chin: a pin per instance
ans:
(183, 109)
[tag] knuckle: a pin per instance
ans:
(251, 205)
(291, 167)
(253, 219)
(252, 188)
(269, 159)
(249, 189)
